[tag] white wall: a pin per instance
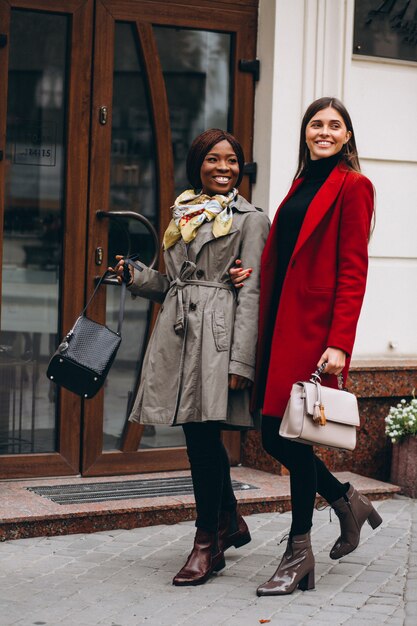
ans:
(305, 48)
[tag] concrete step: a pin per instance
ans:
(24, 513)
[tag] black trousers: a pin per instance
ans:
(210, 471)
(308, 475)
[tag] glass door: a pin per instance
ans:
(160, 78)
(85, 131)
(204, 60)
(44, 118)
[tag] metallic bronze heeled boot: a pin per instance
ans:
(204, 559)
(296, 569)
(353, 510)
(233, 531)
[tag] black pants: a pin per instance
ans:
(210, 471)
(308, 475)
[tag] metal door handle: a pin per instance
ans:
(116, 215)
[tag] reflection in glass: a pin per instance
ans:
(196, 67)
(33, 220)
(386, 29)
(133, 188)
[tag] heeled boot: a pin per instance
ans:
(204, 559)
(296, 569)
(233, 530)
(353, 510)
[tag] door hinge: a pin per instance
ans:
(251, 66)
(251, 169)
(3, 40)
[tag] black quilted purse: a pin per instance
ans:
(85, 355)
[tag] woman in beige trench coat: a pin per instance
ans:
(200, 360)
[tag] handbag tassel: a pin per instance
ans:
(319, 416)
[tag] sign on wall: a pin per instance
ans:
(386, 28)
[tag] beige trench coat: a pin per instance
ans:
(205, 329)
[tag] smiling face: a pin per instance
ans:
(326, 133)
(220, 169)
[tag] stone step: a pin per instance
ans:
(24, 513)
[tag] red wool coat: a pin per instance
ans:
(323, 290)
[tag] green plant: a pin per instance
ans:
(401, 420)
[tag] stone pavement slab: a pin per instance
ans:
(123, 577)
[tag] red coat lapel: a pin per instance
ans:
(270, 248)
(320, 204)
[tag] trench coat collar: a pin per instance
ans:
(320, 205)
(241, 205)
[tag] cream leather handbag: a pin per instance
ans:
(321, 416)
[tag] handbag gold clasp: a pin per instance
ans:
(322, 416)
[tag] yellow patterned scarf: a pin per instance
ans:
(191, 210)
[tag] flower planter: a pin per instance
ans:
(404, 466)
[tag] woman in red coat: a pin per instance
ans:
(313, 277)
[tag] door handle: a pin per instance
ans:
(138, 217)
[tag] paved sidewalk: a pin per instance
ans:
(123, 577)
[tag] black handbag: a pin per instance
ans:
(86, 353)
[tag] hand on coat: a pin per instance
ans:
(236, 382)
(336, 360)
(238, 274)
(119, 270)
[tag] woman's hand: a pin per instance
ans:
(335, 358)
(238, 274)
(120, 269)
(237, 382)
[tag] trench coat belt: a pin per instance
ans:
(176, 289)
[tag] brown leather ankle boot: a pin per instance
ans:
(296, 568)
(204, 559)
(233, 530)
(353, 510)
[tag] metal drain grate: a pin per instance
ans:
(127, 489)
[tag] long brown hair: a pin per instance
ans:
(348, 154)
(202, 145)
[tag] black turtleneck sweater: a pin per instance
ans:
(293, 212)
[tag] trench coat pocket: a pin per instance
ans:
(220, 334)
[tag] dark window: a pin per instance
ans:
(386, 28)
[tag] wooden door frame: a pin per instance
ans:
(238, 17)
(66, 460)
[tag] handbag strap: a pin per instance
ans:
(121, 304)
(319, 416)
(130, 261)
(316, 376)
